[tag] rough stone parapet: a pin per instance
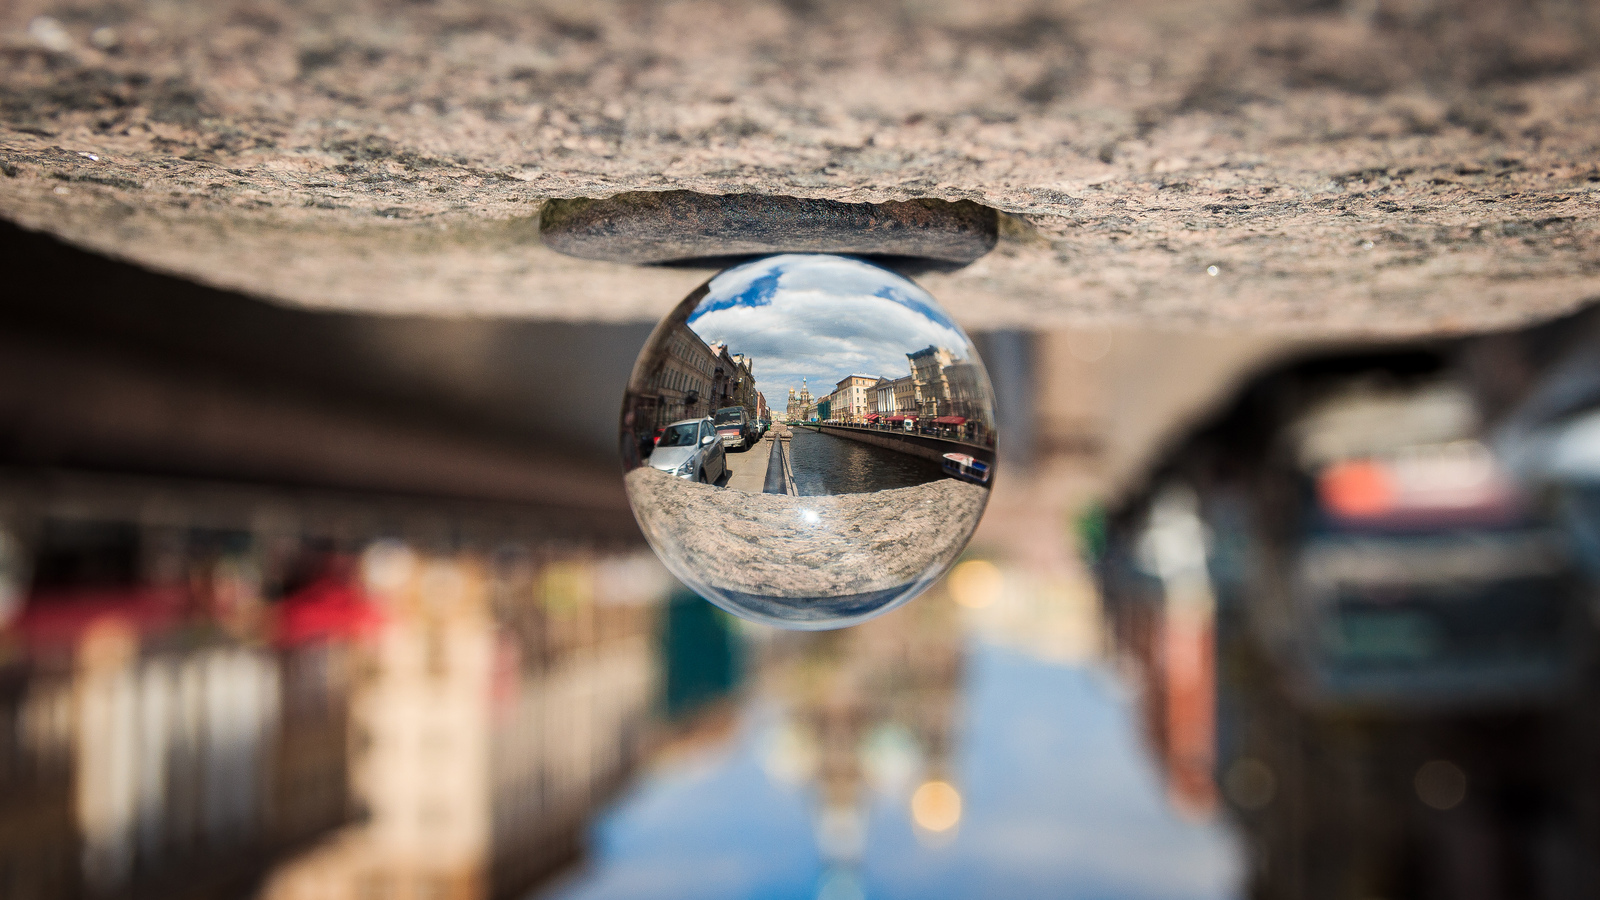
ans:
(1377, 167)
(805, 547)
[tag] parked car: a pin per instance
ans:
(691, 449)
(735, 427)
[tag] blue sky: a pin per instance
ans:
(822, 317)
(1059, 801)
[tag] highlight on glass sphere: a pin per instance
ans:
(809, 440)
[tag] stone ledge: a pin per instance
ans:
(1374, 168)
(768, 544)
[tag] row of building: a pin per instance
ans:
(421, 724)
(940, 385)
(688, 378)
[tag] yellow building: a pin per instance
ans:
(907, 396)
(850, 398)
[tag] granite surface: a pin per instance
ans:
(804, 548)
(668, 226)
(1368, 166)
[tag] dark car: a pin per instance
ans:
(735, 427)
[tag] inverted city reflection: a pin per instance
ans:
(184, 703)
(1360, 606)
(1336, 640)
(843, 503)
(204, 711)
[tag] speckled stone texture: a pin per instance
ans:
(670, 226)
(805, 548)
(1371, 166)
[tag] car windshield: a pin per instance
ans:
(729, 416)
(684, 435)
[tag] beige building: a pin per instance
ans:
(680, 379)
(733, 381)
(482, 742)
(927, 371)
(967, 394)
(850, 398)
(419, 744)
(880, 398)
(742, 387)
(893, 396)
(907, 396)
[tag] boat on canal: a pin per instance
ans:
(967, 468)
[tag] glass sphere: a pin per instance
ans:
(808, 440)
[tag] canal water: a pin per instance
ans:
(824, 464)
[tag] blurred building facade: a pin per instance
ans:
(187, 706)
(1355, 605)
(159, 741)
(502, 703)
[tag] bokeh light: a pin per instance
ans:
(1441, 784)
(976, 584)
(936, 806)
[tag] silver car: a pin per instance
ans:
(690, 449)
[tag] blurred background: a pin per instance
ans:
(326, 606)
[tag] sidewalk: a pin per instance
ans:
(747, 469)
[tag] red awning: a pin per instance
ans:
(895, 419)
(63, 616)
(950, 420)
(329, 608)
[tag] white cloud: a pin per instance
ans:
(825, 336)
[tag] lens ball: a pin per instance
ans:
(808, 440)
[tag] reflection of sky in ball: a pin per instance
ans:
(821, 318)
